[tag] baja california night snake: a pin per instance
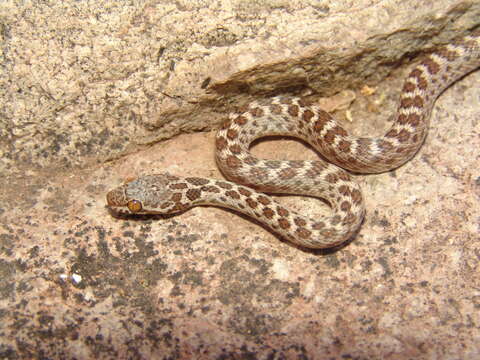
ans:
(165, 193)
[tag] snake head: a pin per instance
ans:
(149, 194)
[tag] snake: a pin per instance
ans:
(250, 178)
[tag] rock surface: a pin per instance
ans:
(84, 82)
(91, 81)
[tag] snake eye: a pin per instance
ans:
(134, 206)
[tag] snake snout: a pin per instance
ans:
(116, 197)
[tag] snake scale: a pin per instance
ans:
(251, 176)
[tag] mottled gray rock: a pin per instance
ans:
(87, 82)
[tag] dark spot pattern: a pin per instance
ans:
(178, 186)
(303, 233)
(235, 149)
(287, 174)
(233, 162)
(403, 136)
(256, 112)
(244, 191)
(220, 143)
(408, 102)
(263, 200)
(282, 211)
(331, 178)
(284, 223)
(224, 185)
(250, 160)
(193, 194)
(447, 54)
(344, 146)
(293, 110)
(232, 194)
(240, 120)
(299, 221)
(276, 109)
(232, 134)
(307, 115)
(345, 206)
(252, 203)
(211, 189)
(197, 181)
(431, 65)
(418, 75)
(176, 197)
(268, 213)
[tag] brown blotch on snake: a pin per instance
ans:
(166, 194)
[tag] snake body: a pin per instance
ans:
(166, 194)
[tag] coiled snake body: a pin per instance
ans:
(165, 193)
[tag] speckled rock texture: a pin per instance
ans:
(86, 82)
